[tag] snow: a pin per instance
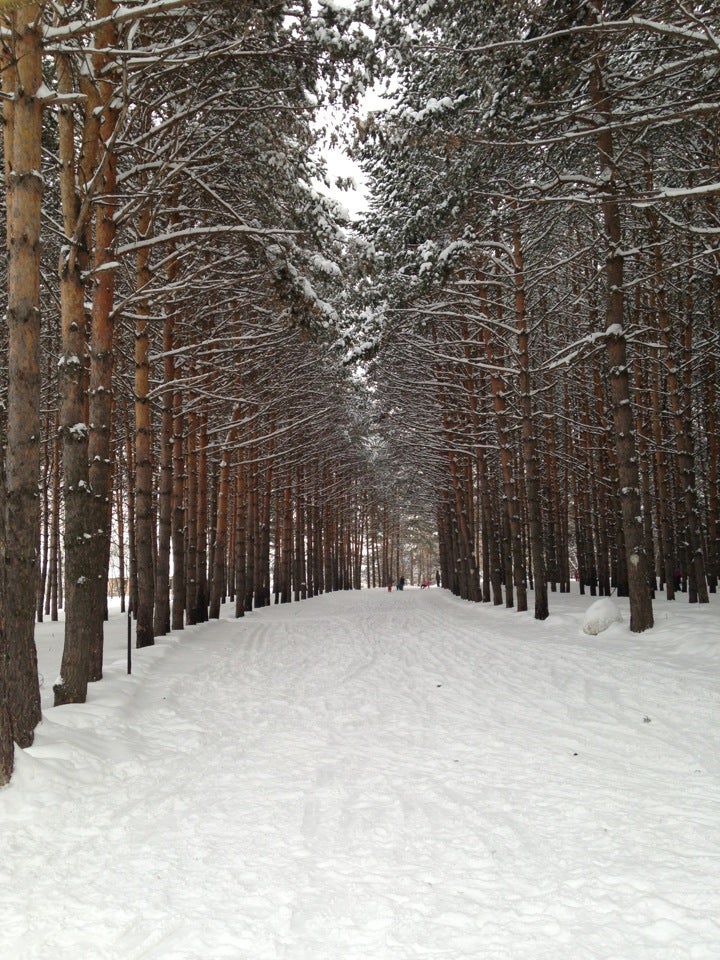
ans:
(79, 431)
(600, 615)
(323, 265)
(376, 776)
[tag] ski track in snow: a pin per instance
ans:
(375, 776)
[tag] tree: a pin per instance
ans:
(6, 726)
(22, 78)
(74, 261)
(550, 111)
(641, 616)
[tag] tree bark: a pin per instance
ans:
(201, 537)
(144, 517)
(22, 76)
(179, 514)
(219, 572)
(191, 515)
(102, 330)
(638, 572)
(240, 537)
(529, 445)
(7, 758)
(54, 560)
(161, 619)
(74, 670)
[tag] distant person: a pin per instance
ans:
(437, 578)
(401, 583)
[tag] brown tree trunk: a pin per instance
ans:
(221, 526)
(54, 559)
(645, 460)
(638, 571)
(299, 577)
(45, 523)
(288, 541)
(7, 757)
(144, 516)
(553, 497)
(178, 514)
(22, 76)
(713, 505)
(603, 501)
(192, 518)
(201, 535)
(240, 537)
(120, 526)
(102, 330)
(262, 539)
(529, 445)
(131, 514)
(161, 617)
(251, 527)
(75, 667)
(319, 545)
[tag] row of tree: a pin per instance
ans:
(536, 298)
(173, 375)
(544, 243)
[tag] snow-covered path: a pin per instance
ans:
(375, 776)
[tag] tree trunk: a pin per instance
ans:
(161, 618)
(131, 513)
(287, 541)
(102, 331)
(179, 514)
(219, 573)
(45, 487)
(262, 539)
(638, 573)
(201, 602)
(75, 667)
(54, 561)
(120, 521)
(7, 758)
(191, 521)
(251, 526)
(144, 517)
(299, 577)
(529, 445)
(240, 537)
(22, 76)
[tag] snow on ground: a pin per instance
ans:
(376, 776)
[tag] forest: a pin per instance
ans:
(216, 386)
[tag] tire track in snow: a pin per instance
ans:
(383, 776)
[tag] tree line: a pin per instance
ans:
(176, 412)
(543, 237)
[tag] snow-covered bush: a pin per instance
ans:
(599, 615)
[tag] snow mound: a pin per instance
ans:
(600, 615)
